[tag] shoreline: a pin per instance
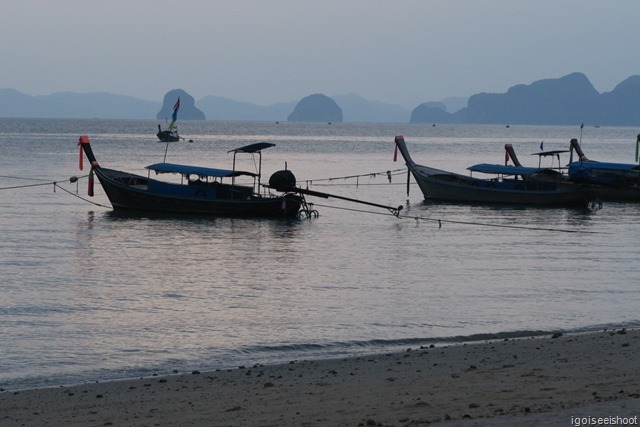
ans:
(353, 349)
(529, 381)
(360, 349)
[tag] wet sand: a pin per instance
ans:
(546, 381)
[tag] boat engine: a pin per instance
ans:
(283, 180)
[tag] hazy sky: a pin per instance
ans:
(264, 51)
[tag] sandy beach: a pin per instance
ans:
(559, 380)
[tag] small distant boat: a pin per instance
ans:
(168, 135)
(510, 185)
(201, 190)
(613, 181)
(171, 134)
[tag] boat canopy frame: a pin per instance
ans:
(251, 149)
(205, 172)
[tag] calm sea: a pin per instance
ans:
(88, 295)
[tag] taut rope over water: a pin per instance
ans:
(387, 173)
(73, 179)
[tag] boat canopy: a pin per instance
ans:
(196, 170)
(503, 170)
(550, 153)
(605, 166)
(252, 148)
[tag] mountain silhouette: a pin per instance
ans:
(357, 109)
(316, 108)
(73, 105)
(221, 108)
(569, 100)
(187, 110)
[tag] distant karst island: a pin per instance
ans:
(187, 110)
(567, 100)
(316, 108)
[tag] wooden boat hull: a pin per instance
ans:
(130, 192)
(618, 182)
(453, 190)
(447, 186)
(137, 193)
(612, 181)
(167, 136)
(619, 194)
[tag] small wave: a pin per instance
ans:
(221, 358)
(39, 310)
(282, 352)
(377, 345)
(173, 296)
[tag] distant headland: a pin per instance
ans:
(567, 100)
(571, 99)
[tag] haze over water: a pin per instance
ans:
(89, 295)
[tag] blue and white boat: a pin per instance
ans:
(201, 190)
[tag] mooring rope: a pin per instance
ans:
(360, 184)
(55, 184)
(453, 221)
(27, 186)
(388, 174)
(42, 182)
(403, 171)
(485, 224)
(23, 178)
(73, 179)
